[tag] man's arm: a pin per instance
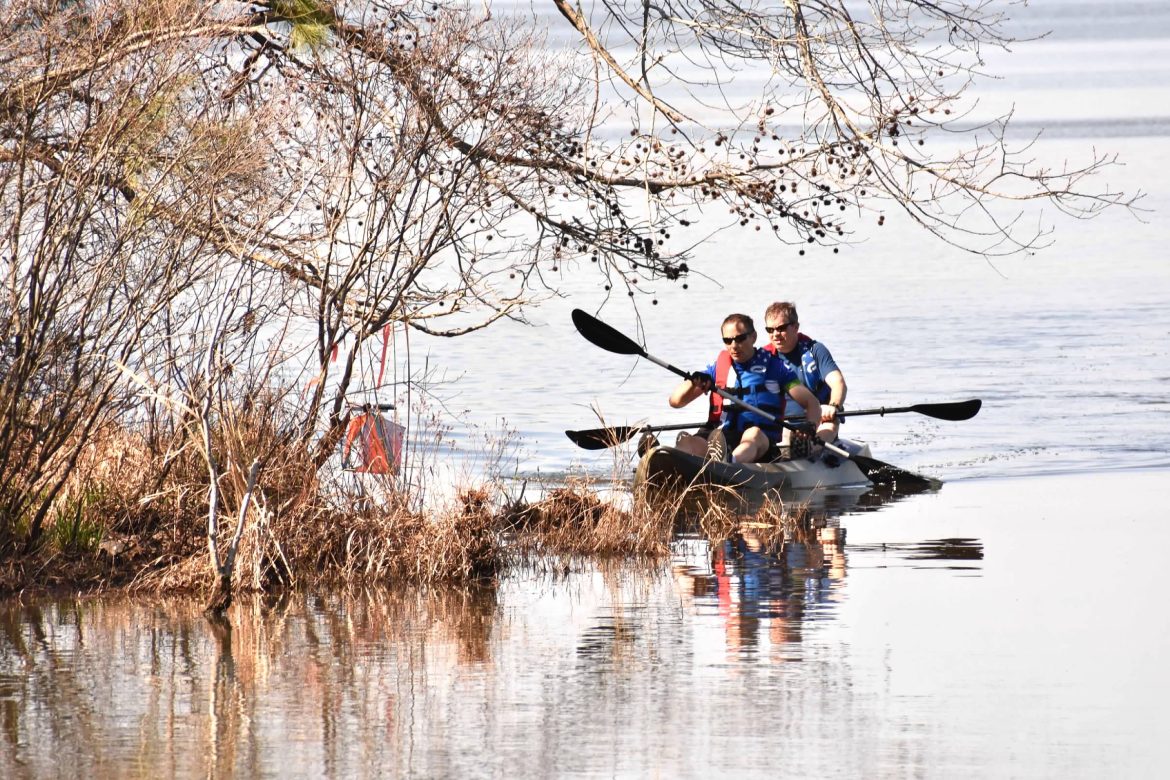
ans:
(691, 388)
(803, 396)
(837, 390)
(833, 378)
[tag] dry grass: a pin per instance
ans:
(773, 523)
(358, 544)
(147, 518)
(573, 520)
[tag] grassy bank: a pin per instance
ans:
(310, 546)
(134, 517)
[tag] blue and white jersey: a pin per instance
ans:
(812, 362)
(764, 381)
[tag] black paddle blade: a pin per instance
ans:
(955, 412)
(604, 336)
(882, 473)
(601, 438)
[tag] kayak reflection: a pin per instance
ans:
(817, 505)
(766, 582)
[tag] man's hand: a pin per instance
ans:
(702, 380)
(804, 428)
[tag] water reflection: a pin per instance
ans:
(955, 554)
(303, 687)
(763, 592)
(820, 504)
(399, 681)
(684, 669)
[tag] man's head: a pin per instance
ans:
(782, 325)
(739, 336)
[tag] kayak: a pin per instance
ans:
(668, 467)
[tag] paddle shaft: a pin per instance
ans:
(961, 410)
(600, 438)
(882, 411)
(954, 411)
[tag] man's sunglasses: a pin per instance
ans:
(773, 328)
(741, 338)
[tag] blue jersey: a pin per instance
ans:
(812, 362)
(764, 382)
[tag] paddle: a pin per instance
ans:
(955, 411)
(605, 336)
(600, 438)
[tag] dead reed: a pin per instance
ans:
(143, 508)
(574, 520)
(133, 515)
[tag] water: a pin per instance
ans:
(1068, 347)
(1010, 625)
(998, 628)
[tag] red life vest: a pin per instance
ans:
(722, 369)
(799, 338)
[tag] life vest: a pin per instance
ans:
(722, 369)
(808, 370)
(756, 395)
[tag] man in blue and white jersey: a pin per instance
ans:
(812, 362)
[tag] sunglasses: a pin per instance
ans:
(773, 328)
(741, 338)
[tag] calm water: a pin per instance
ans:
(1012, 624)
(1068, 347)
(998, 628)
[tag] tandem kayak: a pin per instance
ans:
(668, 467)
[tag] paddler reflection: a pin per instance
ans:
(766, 585)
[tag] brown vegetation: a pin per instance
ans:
(573, 520)
(138, 522)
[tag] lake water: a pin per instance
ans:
(1011, 624)
(1069, 348)
(999, 628)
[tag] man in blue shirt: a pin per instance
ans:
(812, 362)
(758, 377)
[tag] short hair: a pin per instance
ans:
(742, 319)
(785, 309)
